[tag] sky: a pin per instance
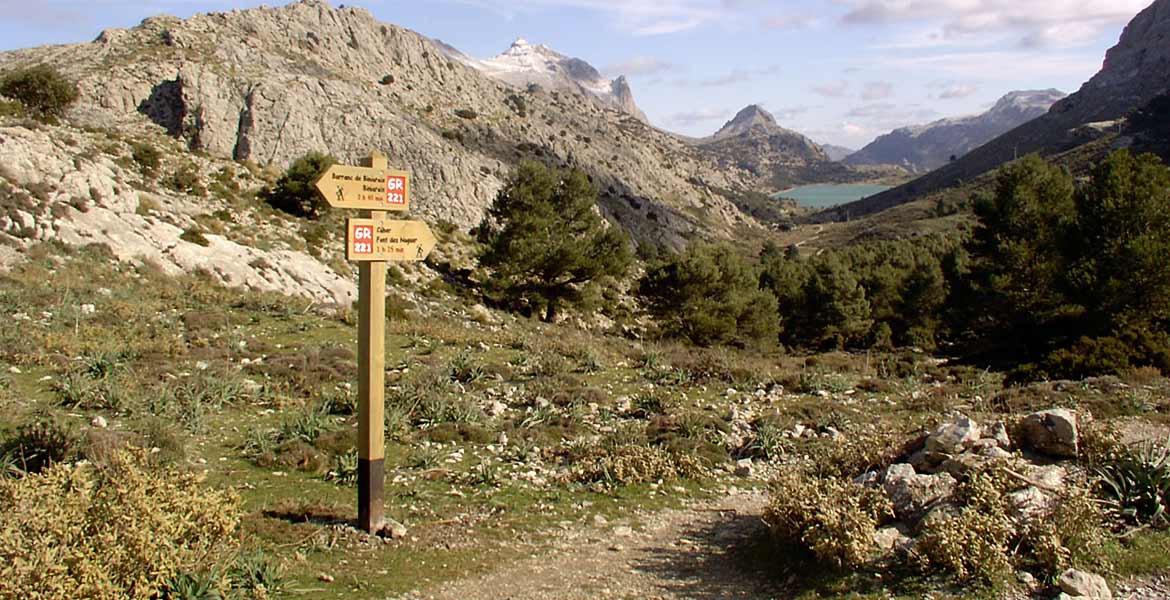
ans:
(840, 71)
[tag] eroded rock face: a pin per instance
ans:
(954, 437)
(1080, 584)
(88, 198)
(1052, 432)
(913, 494)
(271, 84)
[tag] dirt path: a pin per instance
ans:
(673, 554)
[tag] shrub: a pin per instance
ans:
(148, 157)
(833, 518)
(612, 465)
(710, 295)
(387, 80)
(186, 181)
(517, 104)
(466, 113)
(120, 530)
(295, 192)
(42, 91)
(974, 543)
(1137, 484)
(39, 445)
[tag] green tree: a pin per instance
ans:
(709, 295)
(294, 193)
(544, 242)
(1018, 258)
(1073, 281)
(43, 92)
(834, 311)
(1120, 261)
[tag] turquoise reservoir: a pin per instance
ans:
(830, 194)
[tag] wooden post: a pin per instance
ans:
(371, 383)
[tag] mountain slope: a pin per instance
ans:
(1136, 70)
(270, 84)
(525, 64)
(924, 148)
(836, 153)
(775, 157)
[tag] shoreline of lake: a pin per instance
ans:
(826, 195)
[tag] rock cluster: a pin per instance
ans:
(921, 487)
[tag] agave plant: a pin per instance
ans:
(1137, 485)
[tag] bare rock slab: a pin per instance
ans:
(1052, 432)
(1079, 584)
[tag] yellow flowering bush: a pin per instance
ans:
(117, 530)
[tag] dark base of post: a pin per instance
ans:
(371, 491)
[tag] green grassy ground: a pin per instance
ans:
(256, 391)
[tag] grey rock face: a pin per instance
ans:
(923, 148)
(1052, 432)
(271, 84)
(114, 214)
(954, 437)
(772, 155)
(1080, 584)
(913, 494)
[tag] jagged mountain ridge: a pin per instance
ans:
(777, 158)
(836, 153)
(923, 148)
(270, 84)
(1135, 72)
(525, 64)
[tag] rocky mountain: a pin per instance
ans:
(775, 157)
(525, 64)
(1135, 72)
(264, 86)
(923, 148)
(836, 153)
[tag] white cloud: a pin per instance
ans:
(740, 76)
(790, 21)
(831, 90)
(1031, 23)
(877, 90)
(975, 64)
(957, 90)
(696, 117)
(639, 65)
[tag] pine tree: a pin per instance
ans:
(711, 295)
(544, 242)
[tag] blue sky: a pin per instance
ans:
(840, 71)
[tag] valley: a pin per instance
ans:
(636, 363)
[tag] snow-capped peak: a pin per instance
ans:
(524, 63)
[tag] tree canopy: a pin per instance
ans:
(545, 243)
(43, 92)
(710, 295)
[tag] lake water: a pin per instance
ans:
(830, 194)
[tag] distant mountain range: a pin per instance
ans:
(836, 153)
(775, 157)
(525, 64)
(923, 148)
(1133, 81)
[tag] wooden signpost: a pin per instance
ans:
(371, 242)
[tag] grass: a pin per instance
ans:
(258, 391)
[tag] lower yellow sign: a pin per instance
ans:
(386, 240)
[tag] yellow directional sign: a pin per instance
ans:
(387, 240)
(367, 188)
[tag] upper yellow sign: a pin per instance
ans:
(366, 188)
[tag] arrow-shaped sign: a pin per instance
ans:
(367, 188)
(386, 240)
